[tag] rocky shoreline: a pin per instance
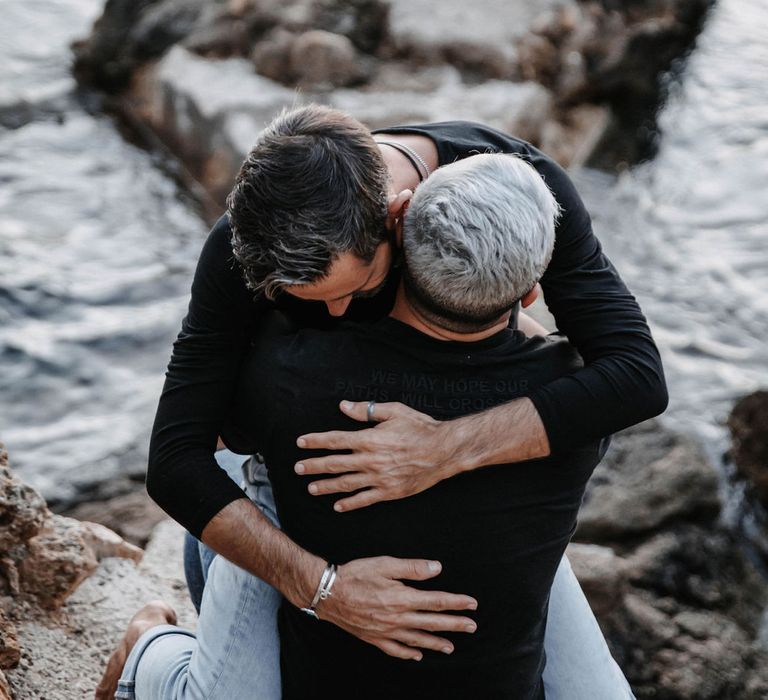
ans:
(681, 604)
(582, 79)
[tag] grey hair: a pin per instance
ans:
(477, 236)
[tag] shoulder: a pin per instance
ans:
(461, 139)
(553, 353)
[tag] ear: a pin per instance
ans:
(396, 205)
(399, 223)
(530, 297)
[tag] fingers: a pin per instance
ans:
(422, 640)
(408, 569)
(341, 484)
(440, 601)
(360, 500)
(331, 440)
(358, 410)
(351, 439)
(333, 464)
(434, 622)
(399, 651)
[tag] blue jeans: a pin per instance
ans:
(235, 653)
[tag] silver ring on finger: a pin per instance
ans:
(369, 412)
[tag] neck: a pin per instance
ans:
(404, 312)
(401, 171)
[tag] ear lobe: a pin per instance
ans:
(531, 296)
(397, 205)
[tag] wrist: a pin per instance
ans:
(459, 439)
(302, 589)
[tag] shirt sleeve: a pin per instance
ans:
(622, 382)
(182, 474)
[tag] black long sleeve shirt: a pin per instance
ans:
(621, 384)
(499, 532)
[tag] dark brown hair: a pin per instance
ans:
(314, 186)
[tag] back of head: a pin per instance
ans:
(314, 186)
(478, 235)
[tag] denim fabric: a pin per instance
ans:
(198, 557)
(579, 663)
(235, 654)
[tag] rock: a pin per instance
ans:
(464, 34)
(58, 561)
(639, 487)
(272, 55)
(496, 103)
(104, 543)
(131, 32)
(325, 60)
(10, 653)
(601, 574)
(68, 650)
(22, 509)
(571, 135)
(700, 567)
(5, 690)
(654, 627)
(612, 53)
(131, 515)
(46, 556)
(748, 424)
(710, 668)
(193, 103)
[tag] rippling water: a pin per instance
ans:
(96, 253)
(689, 230)
(97, 246)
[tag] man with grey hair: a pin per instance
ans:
(497, 533)
(478, 238)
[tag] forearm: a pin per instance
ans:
(512, 432)
(368, 601)
(242, 534)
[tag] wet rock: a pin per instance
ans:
(748, 424)
(601, 574)
(668, 650)
(679, 602)
(464, 34)
(503, 105)
(131, 32)
(647, 479)
(700, 567)
(208, 112)
(613, 53)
